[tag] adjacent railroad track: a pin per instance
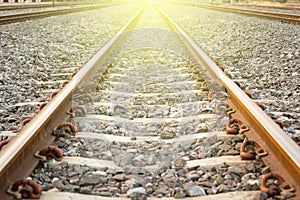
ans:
(19, 6)
(149, 116)
(6, 19)
(283, 7)
(292, 18)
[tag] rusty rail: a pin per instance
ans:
(17, 158)
(283, 155)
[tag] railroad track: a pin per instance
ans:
(6, 19)
(292, 18)
(151, 120)
(284, 7)
(19, 6)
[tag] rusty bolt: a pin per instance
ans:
(279, 123)
(3, 143)
(23, 124)
(237, 83)
(25, 189)
(248, 94)
(52, 95)
(41, 106)
(209, 97)
(50, 152)
(221, 108)
(88, 98)
(235, 126)
(221, 67)
(204, 86)
(79, 111)
(262, 106)
(251, 155)
(274, 191)
(71, 129)
(228, 75)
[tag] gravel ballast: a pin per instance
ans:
(154, 166)
(263, 52)
(33, 50)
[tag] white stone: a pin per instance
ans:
(100, 173)
(140, 190)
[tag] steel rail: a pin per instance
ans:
(273, 15)
(273, 7)
(37, 133)
(293, 18)
(283, 151)
(22, 147)
(5, 19)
